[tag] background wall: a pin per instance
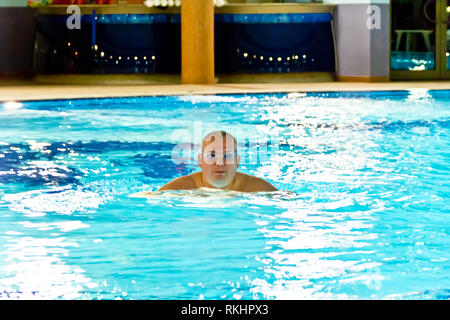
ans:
(17, 38)
(362, 53)
(13, 3)
(380, 45)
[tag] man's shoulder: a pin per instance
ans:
(182, 183)
(249, 183)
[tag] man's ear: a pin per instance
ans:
(238, 160)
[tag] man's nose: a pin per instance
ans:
(219, 161)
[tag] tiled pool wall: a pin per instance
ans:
(151, 43)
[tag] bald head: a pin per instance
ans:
(221, 137)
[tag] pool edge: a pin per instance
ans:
(29, 91)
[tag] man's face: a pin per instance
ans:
(219, 162)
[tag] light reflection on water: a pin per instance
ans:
(362, 211)
(33, 268)
(309, 248)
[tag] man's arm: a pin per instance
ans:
(181, 183)
(249, 183)
(260, 185)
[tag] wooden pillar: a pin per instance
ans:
(197, 41)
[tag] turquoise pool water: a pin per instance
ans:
(362, 212)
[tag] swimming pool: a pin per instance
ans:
(362, 213)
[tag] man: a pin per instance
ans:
(219, 162)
